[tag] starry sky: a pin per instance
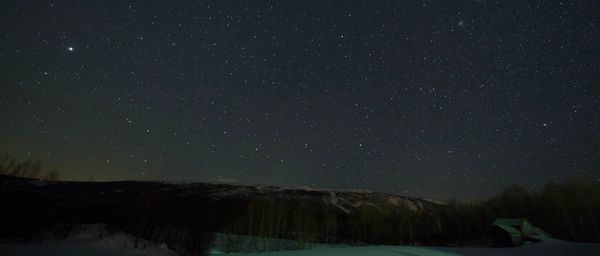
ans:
(433, 99)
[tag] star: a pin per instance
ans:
(455, 94)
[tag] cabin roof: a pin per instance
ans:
(513, 232)
(510, 222)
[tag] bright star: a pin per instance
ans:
(70, 49)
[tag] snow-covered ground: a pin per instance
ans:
(93, 247)
(545, 248)
(95, 240)
(111, 247)
(91, 240)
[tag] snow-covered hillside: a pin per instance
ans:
(180, 215)
(88, 240)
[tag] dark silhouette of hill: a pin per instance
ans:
(187, 216)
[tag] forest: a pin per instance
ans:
(188, 217)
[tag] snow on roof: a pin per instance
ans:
(510, 221)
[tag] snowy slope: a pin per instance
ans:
(544, 248)
(90, 240)
(121, 246)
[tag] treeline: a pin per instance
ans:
(568, 211)
(28, 168)
(311, 220)
(152, 211)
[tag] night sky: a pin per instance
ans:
(431, 99)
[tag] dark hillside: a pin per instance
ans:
(187, 216)
(154, 211)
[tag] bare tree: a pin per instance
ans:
(51, 176)
(35, 169)
(7, 162)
